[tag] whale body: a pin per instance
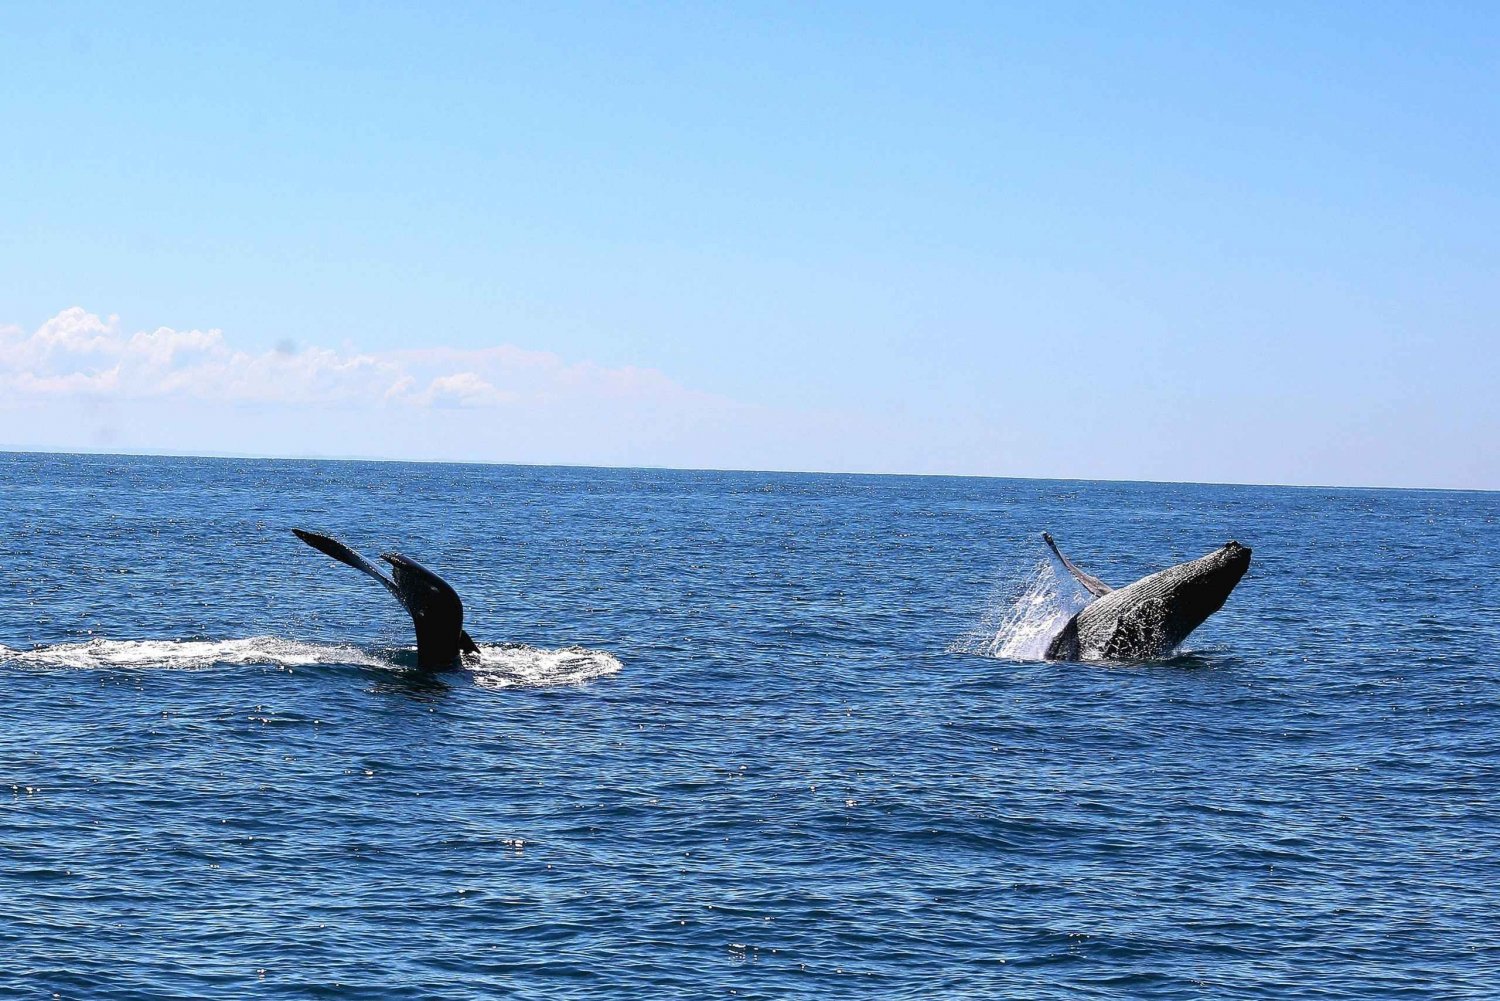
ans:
(1152, 616)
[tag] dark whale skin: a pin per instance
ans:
(1151, 617)
(434, 607)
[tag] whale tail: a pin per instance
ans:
(333, 547)
(435, 608)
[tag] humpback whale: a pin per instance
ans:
(1151, 616)
(434, 606)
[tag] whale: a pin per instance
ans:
(434, 607)
(1150, 618)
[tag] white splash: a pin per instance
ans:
(504, 665)
(1020, 627)
(189, 654)
(517, 665)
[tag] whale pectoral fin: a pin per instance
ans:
(466, 643)
(342, 553)
(1093, 585)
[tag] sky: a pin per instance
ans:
(1238, 242)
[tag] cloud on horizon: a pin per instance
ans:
(84, 381)
(81, 355)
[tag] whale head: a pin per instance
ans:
(1198, 589)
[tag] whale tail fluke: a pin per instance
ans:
(333, 547)
(434, 607)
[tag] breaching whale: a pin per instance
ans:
(434, 606)
(1151, 616)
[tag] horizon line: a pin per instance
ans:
(9, 449)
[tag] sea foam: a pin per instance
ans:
(502, 665)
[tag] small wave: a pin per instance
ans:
(517, 665)
(189, 654)
(1021, 626)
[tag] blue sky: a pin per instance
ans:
(1242, 242)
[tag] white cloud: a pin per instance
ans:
(84, 382)
(78, 354)
(464, 389)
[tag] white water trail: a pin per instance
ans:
(504, 665)
(189, 654)
(1022, 621)
(517, 665)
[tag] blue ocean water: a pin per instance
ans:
(759, 742)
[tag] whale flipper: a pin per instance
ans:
(1093, 585)
(433, 605)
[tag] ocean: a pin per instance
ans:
(758, 735)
